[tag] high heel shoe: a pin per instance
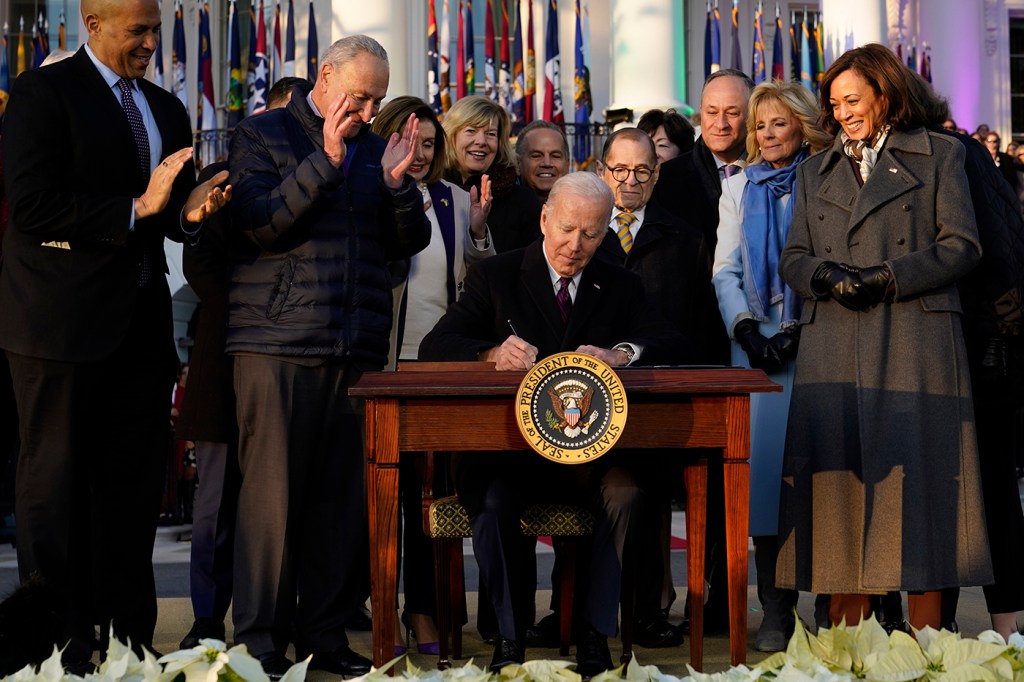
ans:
(427, 648)
(402, 649)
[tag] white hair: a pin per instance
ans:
(586, 186)
(348, 48)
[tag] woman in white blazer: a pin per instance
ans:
(423, 287)
(761, 313)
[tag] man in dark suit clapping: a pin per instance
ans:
(99, 171)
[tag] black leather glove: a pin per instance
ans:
(760, 352)
(841, 282)
(877, 281)
(786, 344)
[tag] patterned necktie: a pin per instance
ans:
(563, 298)
(730, 170)
(131, 110)
(625, 219)
(135, 121)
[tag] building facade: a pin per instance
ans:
(643, 53)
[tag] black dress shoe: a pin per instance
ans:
(657, 633)
(506, 652)
(545, 633)
(360, 620)
(275, 664)
(203, 628)
(592, 655)
(341, 661)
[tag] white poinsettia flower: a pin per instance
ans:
(200, 664)
(550, 671)
(50, 670)
(211, 659)
(792, 673)
(646, 673)
(991, 637)
(739, 673)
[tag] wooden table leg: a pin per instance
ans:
(382, 494)
(736, 468)
(695, 474)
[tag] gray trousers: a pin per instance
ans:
(301, 547)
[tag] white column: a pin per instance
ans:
(644, 56)
(850, 24)
(388, 22)
(970, 61)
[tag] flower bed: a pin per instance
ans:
(864, 652)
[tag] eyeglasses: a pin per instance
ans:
(992, 140)
(621, 173)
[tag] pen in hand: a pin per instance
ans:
(513, 328)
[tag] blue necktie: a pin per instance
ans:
(730, 170)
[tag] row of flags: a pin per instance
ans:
(924, 64)
(260, 76)
(263, 68)
(807, 56)
(510, 68)
(27, 56)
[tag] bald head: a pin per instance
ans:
(123, 33)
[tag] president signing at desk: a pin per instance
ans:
(518, 307)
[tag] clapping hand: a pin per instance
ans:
(400, 152)
(161, 180)
(207, 198)
(337, 125)
(480, 207)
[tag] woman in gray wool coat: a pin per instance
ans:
(880, 481)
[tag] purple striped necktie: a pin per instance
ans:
(135, 121)
(563, 299)
(131, 110)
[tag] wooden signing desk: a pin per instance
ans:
(473, 410)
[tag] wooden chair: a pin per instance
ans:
(447, 523)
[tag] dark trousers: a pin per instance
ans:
(417, 548)
(496, 490)
(301, 544)
(777, 604)
(995, 417)
(213, 529)
(90, 474)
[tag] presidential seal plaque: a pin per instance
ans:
(571, 408)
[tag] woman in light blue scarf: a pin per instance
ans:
(761, 312)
